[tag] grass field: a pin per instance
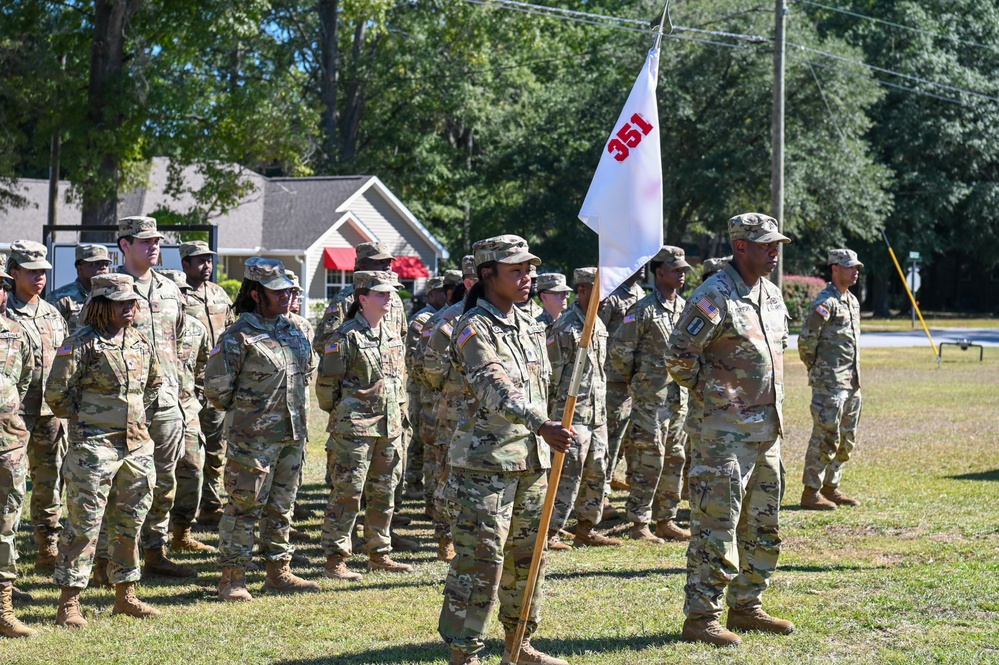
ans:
(903, 324)
(909, 577)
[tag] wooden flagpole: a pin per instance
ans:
(556, 471)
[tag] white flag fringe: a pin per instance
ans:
(624, 204)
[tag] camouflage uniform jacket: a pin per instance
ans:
(45, 331)
(259, 373)
(302, 324)
(829, 343)
(505, 364)
(639, 352)
(103, 386)
(545, 319)
(193, 356)
(15, 377)
(160, 319)
(69, 300)
(211, 305)
(531, 308)
(442, 377)
(728, 349)
(563, 342)
(337, 312)
(612, 312)
(414, 335)
(362, 380)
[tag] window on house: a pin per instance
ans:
(336, 281)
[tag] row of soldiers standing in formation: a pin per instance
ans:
(485, 384)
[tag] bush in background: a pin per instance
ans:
(799, 292)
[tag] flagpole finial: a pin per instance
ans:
(665, 16)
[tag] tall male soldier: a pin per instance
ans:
(91, 260)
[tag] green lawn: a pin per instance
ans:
(902, 324)
(909, 577)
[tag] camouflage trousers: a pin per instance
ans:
(261, 480)
(190, 475)
(368, 466)
(835, 416)
(583, 475)
(414, 456)
(435, 473)
(405, 441)
(13, 479)
(166, 429)
(211, 485)
(735, 494)
(618, 418)
(655, 471)
(110, 485)
(494, 532)
(46, 450)
(673, 480)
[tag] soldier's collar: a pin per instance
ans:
(509, 320)
(365, 326)
(740, 284)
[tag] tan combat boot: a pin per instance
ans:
(555, 543)
(609, 512)
(281, 579)
(210, 517)
(336, 569)
(381, 561)
(70, 614)
(619, 485)
(757, 619)
(99, 579)
(183, 541)
(528, 654)
(710, 631)
(48, 549)
(445, 548)
(232, 586)
(670, 530)
(155, 563)
(459, 657)
(126, 603)
(9, 624)
(837, 497)
(585, 535)
(812, 500)
(400, 544)
(640, 532)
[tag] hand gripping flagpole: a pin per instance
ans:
(556, 471)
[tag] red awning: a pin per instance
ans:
(339, 258)
(409, 267)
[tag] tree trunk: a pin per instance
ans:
(880, 294)
(329, 77)
(354, 105)
(107, 66)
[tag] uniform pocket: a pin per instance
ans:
(714, 491)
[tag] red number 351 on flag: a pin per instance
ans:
(628, 137)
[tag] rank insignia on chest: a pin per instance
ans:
(629, 319)
(707, 307)
(332, 347)
(64, 350)
(823, 312)
(217, 348)
(465, 335)
(130, 364)
(695, 325)
(154, 306)
(529, 352)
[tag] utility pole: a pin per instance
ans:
(777, 172)
(54, 159)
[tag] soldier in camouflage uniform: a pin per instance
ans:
(192, 354)
(585, 468)
(422, 429)
(612, 312)
(499, 455)
(91, 260)
(655, 447)
(554, 295)
(294, 310)
(259, 374)
(829, 345)
(104, 378)
(711, 266)
(44, 329)
(530, 306)
(361, 386)
(209, 303)
(15, 378)
(728, 350)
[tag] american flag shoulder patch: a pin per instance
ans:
(629, 319)
(465, 335)
(428, 332)
(65, 350)
(416, 325)
(332, 347)
(218, 347)
(330, 309)
(708, 307)
(823, 312)
(550, 340)
(447, 329)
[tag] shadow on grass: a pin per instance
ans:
(979, 475)
(427, 652)
(622, 574)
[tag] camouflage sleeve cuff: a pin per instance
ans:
(535, 418)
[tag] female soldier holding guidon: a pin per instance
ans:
(499, 454)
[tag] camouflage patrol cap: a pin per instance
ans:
(269, 272)
(755, 227)
(503, 249)
(673, 257)
(29, 255)
(844, 257)
(375, 280)
(468, 266)
(113, 286)
(178, 277)
(372, 250)
(435, 283)
(138, 227)
(584, 276)
(552, 281)
(294, 279)
(3, 267)
(92, 253)
(533, 271)
(711, 266)
(452, 278)
(195, 248)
